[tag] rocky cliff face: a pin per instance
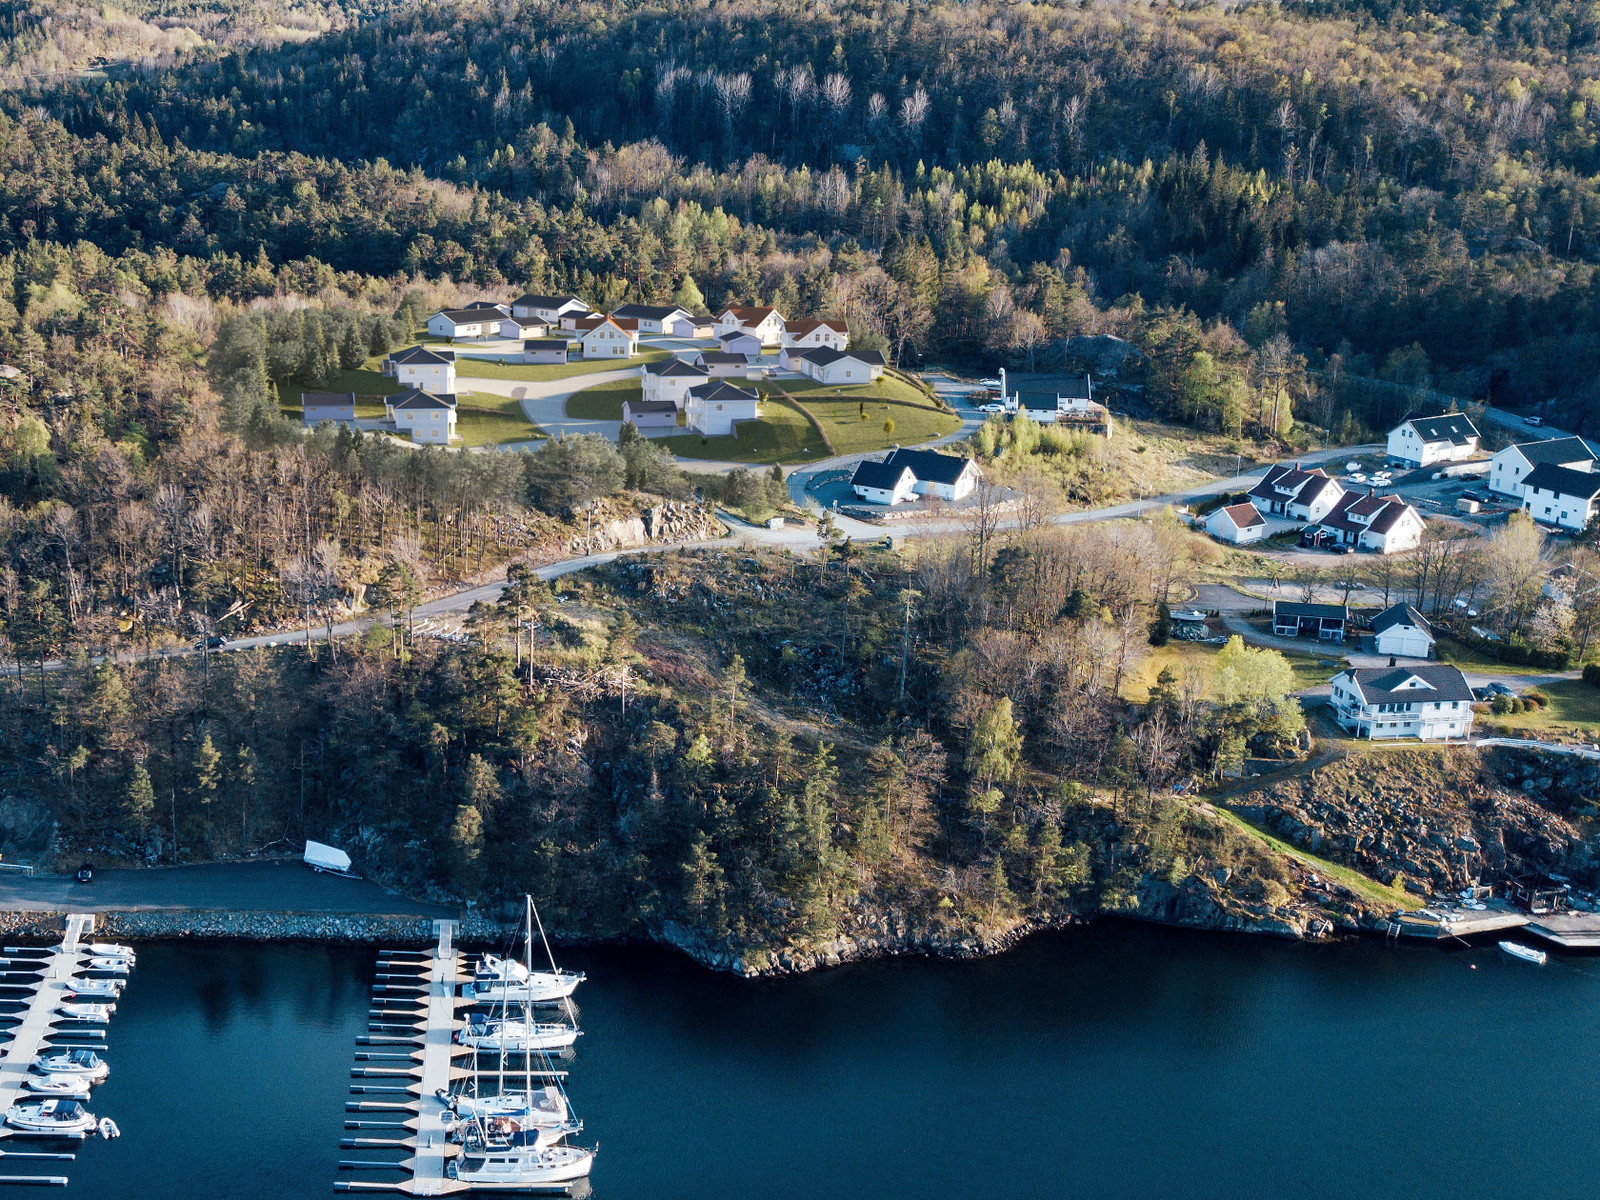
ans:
(669, 521)
(1434, 819)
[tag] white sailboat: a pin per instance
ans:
(52, 1118)
(516, 1036)
(498, 979)
(542, 1166)
(543, 1108)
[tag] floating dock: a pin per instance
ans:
(1443, 920)
(1569, 930)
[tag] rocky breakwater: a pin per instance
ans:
(661, 524)
(1432, 820)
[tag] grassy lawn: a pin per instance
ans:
(361, 382)
(841, 417)
(782, 435)
(1197, 656)
(604, 401)
(1574, 704)
(485, 418)
(1380, 895)
(887, 388)
(1449, 650)
(482, 368)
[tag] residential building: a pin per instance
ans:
(1325, 622)
(609, 337)
(692, 325)
(1511, 466)
(766, 324)
(809, 333)
(1560, 496)
(715, 407)
(1239, 524)
(840, 367)
(738, 341)
(652, 318)
(545, 350)
(724, 364)
(317, 407)
(1423, 441)
(465, 323)
(1402, 631)
(1429, 703)
(1368, 521)
(426, 417)
(880, 483)
(522, 328)
(572, 321)
(942, 476)
(429, 368)
(651, 416)
(548, 309)
(1299, 494)
(670, 380)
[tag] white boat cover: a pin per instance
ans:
(329, 858)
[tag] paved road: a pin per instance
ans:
(248, 887)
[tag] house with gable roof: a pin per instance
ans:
(1429, 703)
(763, 323)
(839, 367)
(1238, 524)
(942, 476)
(713, 408)
(1423, 441)
(1402, 631)
(608, 337)
(429, 368)
(1560, 496)
(670, 379)
(549, 309)
(1299, 494)
(652, 318)
(1368, 521)
(427, 418)
(1509, 468)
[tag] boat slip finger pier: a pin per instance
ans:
(460, 1082)
(55, 1004)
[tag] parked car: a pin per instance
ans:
(211, 643)
(992, 408)
(989, 383)
(1499, 689)
(1344, 549)
(1534, 421)
(85, 874)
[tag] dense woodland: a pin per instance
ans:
(1303, 217)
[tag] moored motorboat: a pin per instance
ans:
(51, 1118)
(96, 989)
(85, 1064)
(111, 950)
(505, 979)
(108, 966)
(73, 1087)
(93, 1014)
(1525, 953)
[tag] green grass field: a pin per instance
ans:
(1449, 650)
(1574, 704)
(604, 401)
(485, 369)
(1197, 656)
(361, 382)
(839, 411)
(782, 435)
(483, 418)
(1381, 895)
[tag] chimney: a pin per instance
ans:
(1391, 661)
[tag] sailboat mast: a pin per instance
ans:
(527, 1009)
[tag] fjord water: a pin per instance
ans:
(1113, 1061)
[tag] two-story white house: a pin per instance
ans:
(1560, 496)
(1300, 495)
(714, 408)
(1423, 441)
(879, 483)
(1509, 468)
(425, 417)
(549, 309)
(1367, 521)
(763, 323)
(1429, 703)
(811, 333)
(427, 368)
(608, 337)
(670, 379)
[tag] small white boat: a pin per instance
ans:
(85, 1064)
(516, 1035)
(1525, 953)
(108, 966)
(90, 1014)
(540, 1167)
(108, 1129)
(51, 1118)
(72, 1087)
(95, 989)
(111, 950)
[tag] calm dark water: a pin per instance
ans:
(1117, 1061)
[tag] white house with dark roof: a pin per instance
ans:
(738, 341)
(839, 367)
(670, 380)
(651, 416)
(576, 320)
(522, 328)
(811, 333)
(1299, 494)
(1423, 441)
(881, 483)
(943, 476)
(426, 367)
(465, 323)
(608, 337)
(1430, 703)
(1402, 631)
(1367, 521)
(548, 309)
(1560, 496)
(652, 318)
(1509, 468)
(764, 323)
(427, 418)
(691, 325)
(545, 350)
(713, 408)
(1239, 524)
(317, 407)
(724, 364)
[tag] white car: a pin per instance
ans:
(1357, 477)
(991, 408)
(989, 383)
